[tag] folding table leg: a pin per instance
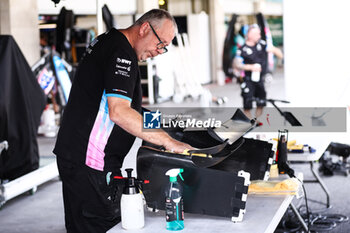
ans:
(322, 184)
(301, 220)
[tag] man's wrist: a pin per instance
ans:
(166, 140)
(248, 67)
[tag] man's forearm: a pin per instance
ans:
(131, 121)
(276, 51)
(241, 66)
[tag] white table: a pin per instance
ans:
(263, 213)
(318, 141)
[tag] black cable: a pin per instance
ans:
(317, 211)
(320, 203)
(323, 222)
(338, 218)
(291, 174)
(315, 220)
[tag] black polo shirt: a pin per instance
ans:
(87, 135)
(254, 54)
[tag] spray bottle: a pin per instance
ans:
(281, 157)
(131, 204)
(173, 202)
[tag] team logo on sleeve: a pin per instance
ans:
(151, 120)
(119, 90)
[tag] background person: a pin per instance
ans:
(252, 59)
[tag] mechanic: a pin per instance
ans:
(252, 59)
(102, 118)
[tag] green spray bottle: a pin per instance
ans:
(174, 202)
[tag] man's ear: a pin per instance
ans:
(144, 29)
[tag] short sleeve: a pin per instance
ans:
(120, 76)
(263, 44)
(238, 53)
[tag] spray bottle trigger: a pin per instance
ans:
(181, 177)
(181, 170)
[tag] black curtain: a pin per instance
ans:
(228, 45)
(21, 104)
(65, 23)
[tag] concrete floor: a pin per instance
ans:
(43, 211)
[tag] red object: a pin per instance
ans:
(118, 177)
(267, 118)
(228, 80)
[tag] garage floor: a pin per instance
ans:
(43, 211)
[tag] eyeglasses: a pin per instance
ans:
(160, 46)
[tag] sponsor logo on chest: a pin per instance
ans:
(123, 61)
(123, 67)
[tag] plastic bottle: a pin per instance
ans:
(131, 204)
(256, 74)
(174, 202)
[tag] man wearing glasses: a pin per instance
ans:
(102, 118)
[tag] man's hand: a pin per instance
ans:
(256, 67)
(239, 65)
(176, 146)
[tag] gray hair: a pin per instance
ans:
(253, 26)
(156, 18)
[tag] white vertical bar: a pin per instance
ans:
(99, 4)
